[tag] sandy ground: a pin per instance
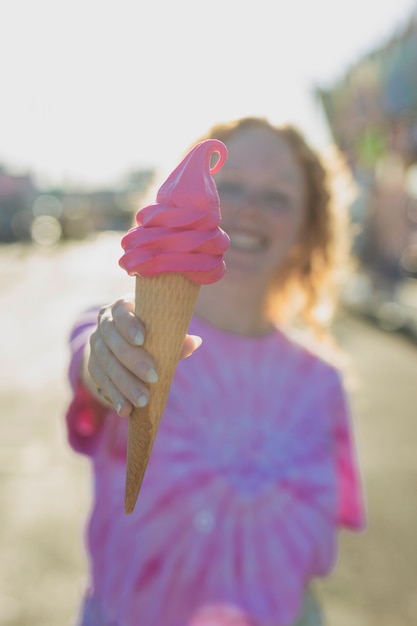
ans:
(45, 488)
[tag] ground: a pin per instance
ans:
(45, 487)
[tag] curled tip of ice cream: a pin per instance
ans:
(180, 232)
(191, 185)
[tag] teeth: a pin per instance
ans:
(244, 241)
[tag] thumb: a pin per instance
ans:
(191, 343)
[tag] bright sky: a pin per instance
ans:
(93, 88)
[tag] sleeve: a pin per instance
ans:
(85, 413)
(351, 505)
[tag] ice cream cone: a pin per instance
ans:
(164, 303)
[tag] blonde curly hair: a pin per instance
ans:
(307, 287)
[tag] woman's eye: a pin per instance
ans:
(276, 201)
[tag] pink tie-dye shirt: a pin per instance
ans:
(251, 476)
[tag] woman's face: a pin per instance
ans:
(262, 197)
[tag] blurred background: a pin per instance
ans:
(97, 100)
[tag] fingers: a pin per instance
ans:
(134, 331)
(118, 364)
(118, 384)
(120, 367)
(134, 358)
(106, 390)
(127, 323)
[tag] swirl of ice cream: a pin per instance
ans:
(180, 232)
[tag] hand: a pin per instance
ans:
(118, 365)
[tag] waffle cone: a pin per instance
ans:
(165, 304)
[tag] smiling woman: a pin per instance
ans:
(261, 190)
(277, 209)
(253, 472)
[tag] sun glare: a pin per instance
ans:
(95, 90)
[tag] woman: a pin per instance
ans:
(253, 471)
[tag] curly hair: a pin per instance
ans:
(307, 287)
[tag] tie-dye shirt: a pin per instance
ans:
(252, 474)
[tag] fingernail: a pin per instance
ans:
(197, 340)
(136, 336)
(143, 401)
(145, 372)
(151, 376)
(119, 407)
(140, 399)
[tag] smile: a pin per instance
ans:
(245, 241)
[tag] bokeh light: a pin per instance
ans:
(46, 230)
(47, 204)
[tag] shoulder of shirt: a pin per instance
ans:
(327, 358)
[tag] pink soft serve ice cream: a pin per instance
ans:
(180, 232)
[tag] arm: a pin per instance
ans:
(85, 412)
(351, 507)
(109, 370)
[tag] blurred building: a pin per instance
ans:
(47, 216)
(372, 115)
(17, 194)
